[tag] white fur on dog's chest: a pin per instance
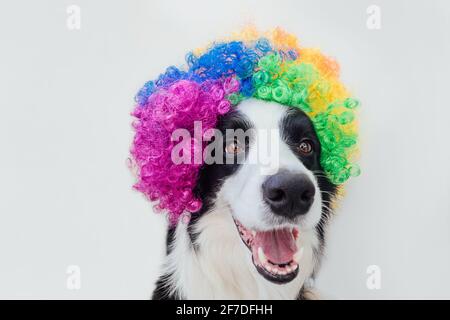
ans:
(221, 267)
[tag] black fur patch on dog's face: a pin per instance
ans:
(212, 176)
(295, 127)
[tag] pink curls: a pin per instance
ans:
(178, 106)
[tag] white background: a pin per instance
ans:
(65, 99)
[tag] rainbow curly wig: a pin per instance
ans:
(270, 66)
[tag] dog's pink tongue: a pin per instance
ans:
(278, 245)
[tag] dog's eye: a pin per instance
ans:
(305, 147)
(234, 147)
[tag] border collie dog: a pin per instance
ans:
(258, 235)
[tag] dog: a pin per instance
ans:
(258, 235)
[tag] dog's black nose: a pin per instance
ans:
(288, 194)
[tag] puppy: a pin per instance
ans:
(259, 234)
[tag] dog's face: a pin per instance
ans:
(274, 187)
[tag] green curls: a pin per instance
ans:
(336, 142)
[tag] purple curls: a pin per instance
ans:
(231, 85)
(178, 106)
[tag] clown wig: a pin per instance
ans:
(271, 67)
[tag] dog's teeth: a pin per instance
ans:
(294, 267)
(288, 269)
(298, 255)
(253, 233)
(262, 256)
(283, 273)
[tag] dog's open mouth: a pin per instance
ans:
(274, 252)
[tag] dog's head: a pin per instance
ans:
(271, 179)
(282, 138)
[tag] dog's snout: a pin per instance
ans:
(288, 194)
